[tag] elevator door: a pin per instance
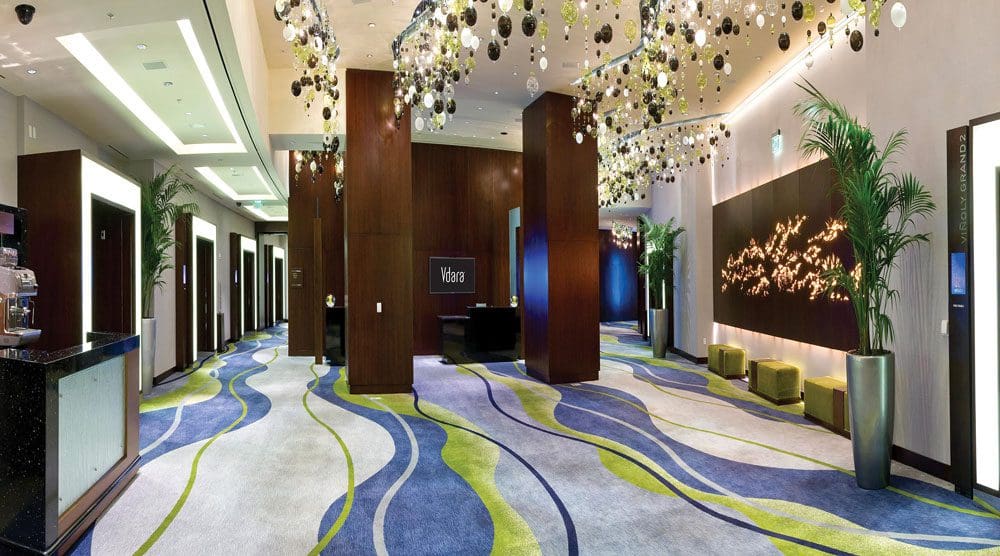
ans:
(249, 283)
(204, 304)
(279, 289)
(112, 268)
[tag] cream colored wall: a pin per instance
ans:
(226, 221)
(900, 80)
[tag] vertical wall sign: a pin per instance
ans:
(959, 316)
(453, 275)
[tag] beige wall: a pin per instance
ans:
(903, 79)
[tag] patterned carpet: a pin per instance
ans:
(256, 452)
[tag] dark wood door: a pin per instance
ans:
(112, 268)
(279, 289)
(249, 283)
(268, 286)
(204, 304)
(235, 253)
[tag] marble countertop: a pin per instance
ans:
(100, 344)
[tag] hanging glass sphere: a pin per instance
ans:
(898, 15)
(532, 85)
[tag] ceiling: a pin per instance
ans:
(204, 122)
(177, 107)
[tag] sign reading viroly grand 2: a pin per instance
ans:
(453, 275)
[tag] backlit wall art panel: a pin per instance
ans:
(770, 247)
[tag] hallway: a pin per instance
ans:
(262, 453)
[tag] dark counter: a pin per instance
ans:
(30, 521)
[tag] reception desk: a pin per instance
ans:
(69, 439)
(482, 334)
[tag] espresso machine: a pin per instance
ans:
(18, 287)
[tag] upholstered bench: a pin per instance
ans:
(732, 363)
(826, 403)
(714, 356)
(775, 381)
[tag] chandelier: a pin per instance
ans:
(314, 46)
(685, 53)
(315, 162)
(621, 234)
(438, 49)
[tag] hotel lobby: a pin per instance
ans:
(499, 277)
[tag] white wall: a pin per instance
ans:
(899, 80)
(8, 148)
(226, 221)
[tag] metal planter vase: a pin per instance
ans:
(148, 358)
(659, 332)
(871, 395)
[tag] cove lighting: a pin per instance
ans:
(788, 69)
(84, 51)
(265, 216)
(219, 184)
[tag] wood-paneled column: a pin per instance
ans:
(559, 218)
(378, 218)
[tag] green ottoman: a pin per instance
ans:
(777, 382)
(732, 363)
(826, 403)
(714, 359)
(753, 370)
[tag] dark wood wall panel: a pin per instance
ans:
(53, 227)
(754, 216)
(559, 215)
(310, 197)
(461, 200)
(618, 280)
(378, 218)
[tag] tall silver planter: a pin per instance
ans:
(658, 334)
(871, 393)
(148, 357)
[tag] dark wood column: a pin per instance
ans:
(559, 217)
(311, 199)
(378, 218)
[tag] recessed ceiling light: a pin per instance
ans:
(198, 125)
(187, 113)
(32, 71)
(168, 83)
(369, 55)
(371, 24)
(496, 92)
(141, 46)
(479, 108)
(503, 133)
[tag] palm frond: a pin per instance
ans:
(879, 208)
(159, 213)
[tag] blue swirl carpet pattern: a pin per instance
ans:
(256, 452)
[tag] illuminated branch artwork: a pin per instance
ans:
(777, 266)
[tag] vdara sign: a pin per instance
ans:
(452, 275)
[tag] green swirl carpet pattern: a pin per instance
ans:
(256, 452)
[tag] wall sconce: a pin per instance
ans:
(777, 143)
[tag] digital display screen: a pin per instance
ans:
(7, 223)
(958, 274)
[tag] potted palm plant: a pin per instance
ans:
(657, 264)
(159, 213)
(880, 207)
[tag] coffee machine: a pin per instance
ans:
(18, 287)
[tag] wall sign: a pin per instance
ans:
(959, 315)
(453, 275)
